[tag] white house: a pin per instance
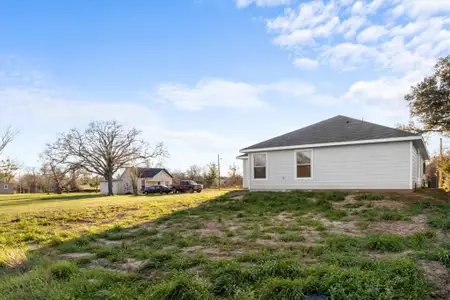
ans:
(147, 177)
(340, 153)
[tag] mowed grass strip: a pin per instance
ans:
(54, 218)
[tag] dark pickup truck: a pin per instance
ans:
(187, 186)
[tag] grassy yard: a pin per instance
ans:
(296, 245)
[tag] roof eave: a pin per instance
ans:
(374, 141)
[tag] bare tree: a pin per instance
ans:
(134, 173)
(234, 176)
(7, 138)
(105, 147)
(194, 172)
(55, 163)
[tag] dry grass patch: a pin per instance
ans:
(440, 276)
(13, 257)
(403, 228)
(76, 255)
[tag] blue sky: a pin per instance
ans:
(210, 76)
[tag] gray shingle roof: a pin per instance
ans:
(336, 129)
(151, 172)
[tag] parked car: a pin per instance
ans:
(157, 189)
(187, 186)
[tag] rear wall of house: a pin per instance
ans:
(369, 166)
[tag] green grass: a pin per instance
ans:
(210, 246)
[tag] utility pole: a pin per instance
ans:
(218, 167)
(441, 158)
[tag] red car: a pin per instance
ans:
(187, 186)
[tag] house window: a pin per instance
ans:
(303, 161)
(259, 166)
(6, 186)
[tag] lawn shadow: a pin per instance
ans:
(49, 198)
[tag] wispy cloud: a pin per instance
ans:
(263, 3)
(221, 93)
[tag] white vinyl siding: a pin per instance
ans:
(245, 174)
(367, 166)
(414, 162)
(417, 167)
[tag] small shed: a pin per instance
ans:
(117, 187)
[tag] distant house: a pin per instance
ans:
(6, 188)
(338, 153)
(146, 177)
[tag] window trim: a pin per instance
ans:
(253, 166)
(312, 164)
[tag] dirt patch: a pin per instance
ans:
(212, 253)
(210, 228)
(350, 199)
(387, 203)
(109, 242)
(417, 224)
(76, 255)
(337, 227)
(438, 274)
(193, 249)
(377, 255)
(215, 228)
(284, 218)
(216, 254)
(34, 246)
(131, 265)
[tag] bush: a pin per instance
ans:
(63, 270)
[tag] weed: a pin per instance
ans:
(292, 237)
(63, 270)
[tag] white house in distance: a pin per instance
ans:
(340, 153)
(147, 177)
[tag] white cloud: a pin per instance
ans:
(305, 63)
(308, 15)
(262, 3)
(351, 26)
(348, 56)
(328, 28)
(210, 93)
(297, 37)
(409, 29)
(425, 8)
(372, 34)
(318, 28)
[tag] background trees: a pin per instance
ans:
(429, 100)
(7, 138)
(104, 147)
(429, 103)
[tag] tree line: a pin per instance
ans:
(97, 152)
(209, 175)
